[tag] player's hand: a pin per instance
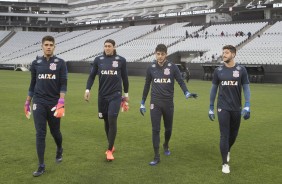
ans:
(211, 113)
(190, 95)
(59, 108)
(124, 104)
(87, 95)
(27, 109)
(246, 111)
(142, 108)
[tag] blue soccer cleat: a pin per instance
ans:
(166, 150)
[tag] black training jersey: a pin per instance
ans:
(48, 79)
(112, 72)
(230, 81)
(162, 79)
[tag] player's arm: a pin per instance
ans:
(146, 90)
(178, 78)
(91, 78)
(247, 94)
(213, 92)
(63, 79)
(30, 91)
(60, 107)
(124, 76)
(212, 99)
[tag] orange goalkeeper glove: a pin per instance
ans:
(27, 109)
(59, 108)
(124, 105)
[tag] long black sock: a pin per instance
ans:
(106, 125)
(112, 131)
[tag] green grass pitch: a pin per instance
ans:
(255, 157)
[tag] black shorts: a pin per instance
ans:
(109, 106)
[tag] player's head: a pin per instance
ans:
(48, 45)
(228, 53)
(109, 47)
(161, 53)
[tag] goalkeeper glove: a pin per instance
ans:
(190, 95)
(211, 113)
(59, 108)
(124, 105)
(142, 108)
(27, 109)
(246, 111)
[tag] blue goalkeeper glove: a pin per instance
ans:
(142, 108)
(211, 113)
(190, 95)
(246, 111)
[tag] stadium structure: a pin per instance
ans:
(194, 31)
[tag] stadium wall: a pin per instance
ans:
(273, 73)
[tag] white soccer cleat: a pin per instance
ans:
(225, 168)
(228, 157)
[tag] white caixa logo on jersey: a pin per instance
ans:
(166, 71)
(53, 66)
(236, 73)
(115, 64)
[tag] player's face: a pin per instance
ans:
(227, 56)
(160, 57)
(109, 48)
(48, 48)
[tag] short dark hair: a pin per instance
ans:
(110, 41)
(161, 48)
(231, 48)
(48, 38)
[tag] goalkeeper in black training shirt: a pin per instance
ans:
(47, 88)
(112, 72)
(230, 79)
(161, 74)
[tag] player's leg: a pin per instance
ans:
(103, 113)
(156, 115)
(39, 116)
(113, 110)
(54, 125)
(106, 126)
(168, 111)
(234, 127)
(224, 126)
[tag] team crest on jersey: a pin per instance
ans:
(236, 73)
(102, 57)
(166, 71)
(154, 65)
(56, 60)
(39, 61)
(117, 57)
(34, 107)
(115, 64)
(152, 106)
(219, 110)
(53, 66)
(169, 64)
